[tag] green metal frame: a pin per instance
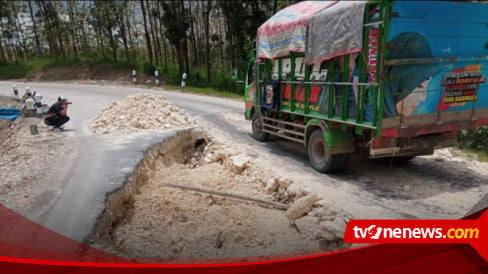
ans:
(385, 8)
(293, 85)
(345, 91)
(247, 86)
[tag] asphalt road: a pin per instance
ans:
(433, 187)
(73, 196)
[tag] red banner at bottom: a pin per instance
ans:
(473, 232)
(435, 245)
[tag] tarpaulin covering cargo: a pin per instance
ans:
(334, 28)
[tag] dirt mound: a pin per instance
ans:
(140, 112)
(84, 72)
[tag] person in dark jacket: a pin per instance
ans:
(57, 114)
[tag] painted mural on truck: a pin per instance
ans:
(452, 53)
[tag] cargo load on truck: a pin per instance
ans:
(383, 78)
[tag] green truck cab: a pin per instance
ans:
(383, 78)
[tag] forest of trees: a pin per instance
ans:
(207, 34)
(205, 38)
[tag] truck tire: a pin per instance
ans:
(317, 153)
(257, 128)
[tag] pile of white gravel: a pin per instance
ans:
(138, 113)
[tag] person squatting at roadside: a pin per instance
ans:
(57, 114)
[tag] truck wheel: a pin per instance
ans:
(317, 153)
(257, 128)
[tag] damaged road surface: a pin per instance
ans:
(92, 173)
(190, 199)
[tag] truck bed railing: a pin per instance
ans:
(317, 83)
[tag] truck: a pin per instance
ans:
(386, 79)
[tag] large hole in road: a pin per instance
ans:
(191, 197)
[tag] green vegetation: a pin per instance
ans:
(197, 79)
(475, 141)
(205, 39)
(222, 85)
(12, 71)
(478, 155)
(207, 91)
(30, 67)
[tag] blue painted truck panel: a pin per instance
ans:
(450, 40)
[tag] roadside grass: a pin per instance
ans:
(475, 141)
(206, 91)
(12, 71)
(479, 155)
(31, 67)
(221, 79)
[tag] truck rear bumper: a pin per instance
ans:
(417, 125)
(417, 146)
